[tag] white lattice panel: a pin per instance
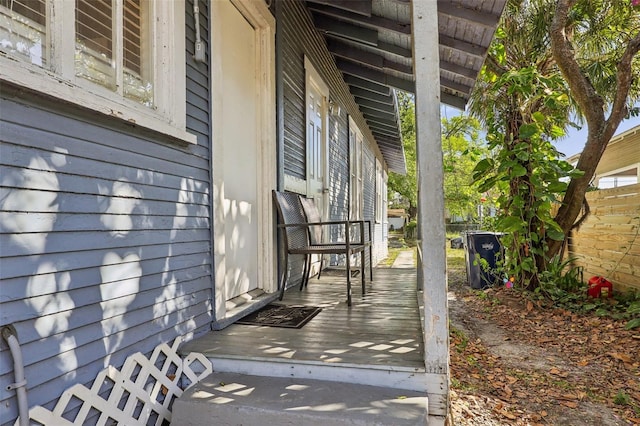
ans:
(141, 393)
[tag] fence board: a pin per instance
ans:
(613, 243)
(608, 242)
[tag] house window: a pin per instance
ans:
(356, 199)
(114, 56)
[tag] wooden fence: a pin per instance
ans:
(608, 242)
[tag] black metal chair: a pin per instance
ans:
(295, 231)
(316, 234)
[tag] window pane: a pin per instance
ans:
(137, 51)
(23, 29)
(94, 42)
(98, 55)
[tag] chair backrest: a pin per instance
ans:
(290, 212)
(312, 214)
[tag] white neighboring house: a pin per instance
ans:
(620, 163)
(397, 219)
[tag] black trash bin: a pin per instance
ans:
(487, 246)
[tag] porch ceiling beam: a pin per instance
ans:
(396, 50)
(391, 153)
(352, 32)
(458, 87)
(347, 51)
(382, 124)
(381, 46)
(372, 21)
(372, 96)
(389, 136)
(395, 142)
(376, 76)
(360, 7)
(475, 16)
(384, 132)
(391, 125)
(458, 69)
(389, 149)
(454, 101)
(368, 85)
(376, 105)
(394, 148)
(463, 46)
(389, 117)
(391, 144)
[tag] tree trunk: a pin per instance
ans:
(592, 104)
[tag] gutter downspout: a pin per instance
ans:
(10, 335)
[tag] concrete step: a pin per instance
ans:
(238, 399)
(388, 376)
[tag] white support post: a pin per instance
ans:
(432, 272)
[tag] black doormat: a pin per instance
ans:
(275, 315)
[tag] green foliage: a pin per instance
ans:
(634, 323)
(562, 276)
(567, 291)
(460, 339)
(461, 149)
(410, 230)
(526, 172)
(406, 185)
(622, 398)
(525, 105)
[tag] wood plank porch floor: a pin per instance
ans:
(381, 330)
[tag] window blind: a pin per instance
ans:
(23, 29)
(105, 60)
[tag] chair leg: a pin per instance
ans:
(370, 263)
(283, 279)
(305, 271)
(321, 263)
(348, 279)
(362, 268)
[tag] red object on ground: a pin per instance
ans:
(599, 287)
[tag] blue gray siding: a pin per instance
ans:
(369, 183)
(339, 167)
(104, 238)
(300, 39)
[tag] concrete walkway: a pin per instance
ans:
(404, 260)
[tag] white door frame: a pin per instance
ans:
(258, 15)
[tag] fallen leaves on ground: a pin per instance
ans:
(587, 360)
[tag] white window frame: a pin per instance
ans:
(613, 176)
(356, 184)
(380, 189)
(58, 79)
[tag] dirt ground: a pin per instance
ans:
(516, 362)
